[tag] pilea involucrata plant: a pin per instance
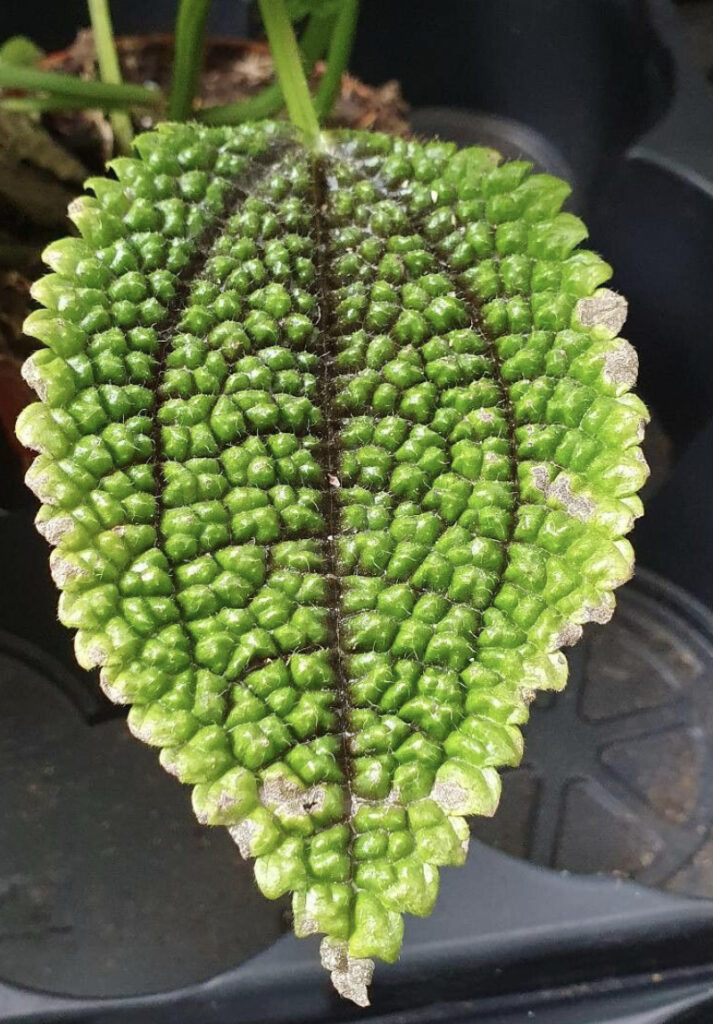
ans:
(337, 450)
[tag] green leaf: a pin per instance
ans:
(19, 51)
(336, 452)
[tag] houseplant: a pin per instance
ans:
(554, 496)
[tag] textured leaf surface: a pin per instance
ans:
(336, 453)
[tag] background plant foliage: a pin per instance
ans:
(327, 30)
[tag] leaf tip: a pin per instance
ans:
(351, 976)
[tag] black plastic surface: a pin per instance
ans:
(107, 882)
(676, 536)
(547, 931)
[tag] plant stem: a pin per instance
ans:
(268, 102)
(188, 57)
(109, 70)
(340, 50)
(42, 104)
(265, 104)
(13, 77)
(290, 73)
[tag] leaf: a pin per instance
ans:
(336, 452)
(19, 51)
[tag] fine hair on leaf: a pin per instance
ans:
(337, 450)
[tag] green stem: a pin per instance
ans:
(270, 101)
(340, 50)
(13, 77)
(45, 104)
(265, 104)
(188, 57)
(109, 70)
(290, 73)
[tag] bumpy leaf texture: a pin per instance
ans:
(336, 453)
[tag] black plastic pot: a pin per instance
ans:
(109, 891)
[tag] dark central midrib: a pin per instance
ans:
(330, 464)
(330, 460)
